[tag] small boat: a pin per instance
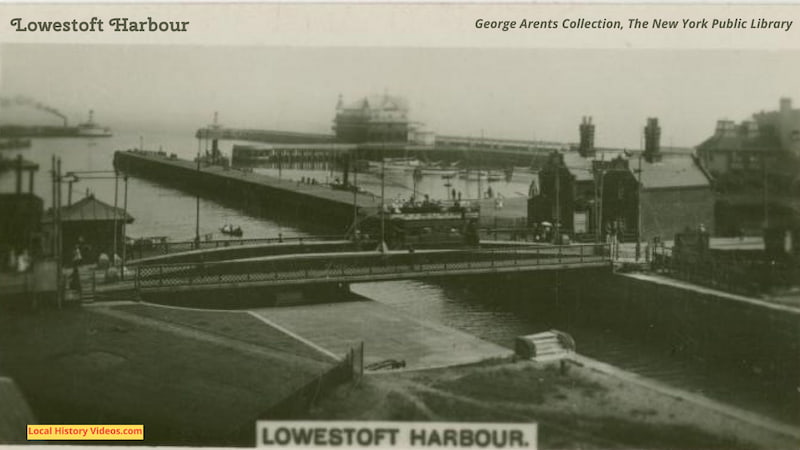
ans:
(472, 174)
(230, 230)
(494, 176)
(401, 163)
(438, 170)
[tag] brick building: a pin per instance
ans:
(612, 190)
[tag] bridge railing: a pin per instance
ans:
(149, 247)
(351, 265)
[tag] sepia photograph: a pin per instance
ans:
(256, 243)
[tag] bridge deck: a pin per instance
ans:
(323, 268)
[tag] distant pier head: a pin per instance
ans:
(486, 152)
(262, 193)
(270, 136)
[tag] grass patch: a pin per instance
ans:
(453, 409)
(76, 366)
(232, 324)
(522, 382)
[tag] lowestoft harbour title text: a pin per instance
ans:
(95, 25)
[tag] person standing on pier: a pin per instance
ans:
(77, 258)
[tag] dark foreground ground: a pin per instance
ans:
(192, 378)
(203, 378)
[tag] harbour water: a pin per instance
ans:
(157, 210)
(164, 211)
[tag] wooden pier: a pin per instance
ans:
(264, 194)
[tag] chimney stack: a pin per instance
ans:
(786, 104)
(586, 146)
(652, 140)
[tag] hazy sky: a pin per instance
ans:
(525, 94)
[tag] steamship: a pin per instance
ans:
(91, 129)
(85, 129)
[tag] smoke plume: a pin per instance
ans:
(19, 100)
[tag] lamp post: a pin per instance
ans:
(599, 182)
(480, 165)
(125, 227)
(355, 193)
(197, 198)
(383, 205)
(765, 190)
(57, 229)
(557, 224)
(116, 191)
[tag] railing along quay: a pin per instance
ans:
(353, 266)
(749, 277)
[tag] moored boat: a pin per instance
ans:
(443, 172)
(473, 174)
(401, 163)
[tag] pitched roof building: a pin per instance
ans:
(92, 225)
(90, 209)
(770, 142)
(375, 118)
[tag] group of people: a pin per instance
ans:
(80, 253)
(19, 260)
(543, 232)
(413, 205)
(230, 229)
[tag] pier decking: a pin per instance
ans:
(306, 201)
